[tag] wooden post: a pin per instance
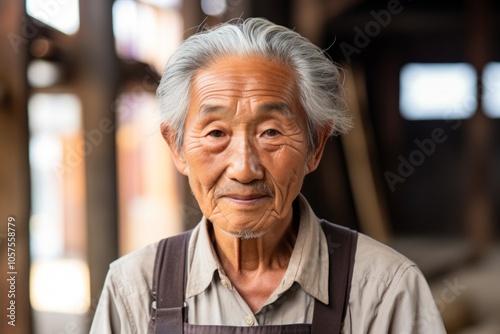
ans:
(98, 80)
(14, 167)
(479, 210)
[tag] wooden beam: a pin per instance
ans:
(309, 17)
(358, 145)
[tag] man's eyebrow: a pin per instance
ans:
(212, 108)
(282, 108)
(279, 107)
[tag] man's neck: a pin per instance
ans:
(256, 266)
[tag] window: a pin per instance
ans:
(146, 32)
(491, 90)
(43, 73)
(149, 200)
(438, 91)
(62, 15)
(59, 272)
(213, 7)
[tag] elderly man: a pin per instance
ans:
(246, 109)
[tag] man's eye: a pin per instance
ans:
(216, 133)
(271, 133)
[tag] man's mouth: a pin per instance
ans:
(245, 194)
(245, 198)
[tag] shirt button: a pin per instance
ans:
(249, 320)
(225, 283)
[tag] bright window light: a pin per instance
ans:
(59, 278)
(56, 113)
(163, 3)
(51, 117)
(146, 176)
(146, 33)
(213, 7)
(491, 90)
(437, 91)
(61, 285)
(61, 15)
(43, 73)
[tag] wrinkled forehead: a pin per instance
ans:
(246, 78)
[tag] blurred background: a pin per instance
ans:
(86, 177)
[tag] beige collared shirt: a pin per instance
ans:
(388, 295)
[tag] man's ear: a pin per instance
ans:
(315, 156)
(177, 153)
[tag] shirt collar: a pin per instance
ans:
(202, 260)
(308, 264)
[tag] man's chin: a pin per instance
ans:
(244, 234)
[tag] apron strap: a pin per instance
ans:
(341, 248)
(167, 307)
(167, 300)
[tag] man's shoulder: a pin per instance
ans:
(134, 271)
(389, 293)
(375, 260)
(136, 257)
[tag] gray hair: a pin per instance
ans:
(319, 79)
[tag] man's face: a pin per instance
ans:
(245, 144)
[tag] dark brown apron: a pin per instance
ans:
(167, 306)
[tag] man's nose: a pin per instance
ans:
(244, 163)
